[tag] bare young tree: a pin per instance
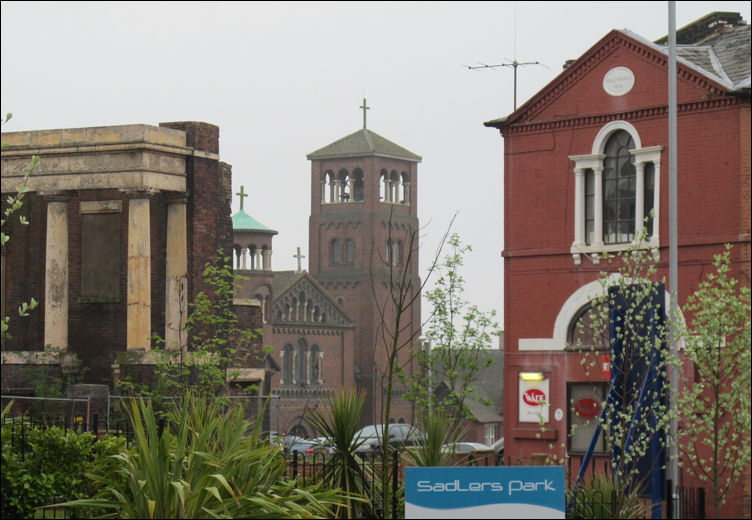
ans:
(396, 289)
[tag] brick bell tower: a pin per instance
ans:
(363, 212)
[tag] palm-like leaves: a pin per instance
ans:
(207, 464)
(439, 431)
(344, 469)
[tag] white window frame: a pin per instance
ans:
(594, 161)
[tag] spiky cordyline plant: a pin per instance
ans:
(204, 464)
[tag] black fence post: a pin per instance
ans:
(395, 475)
(669, 499)
(96, 425)
(701, 503)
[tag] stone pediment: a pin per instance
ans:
(580, 91)
(301, 300)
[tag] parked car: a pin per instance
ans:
(465, 447)
(400, 435)
(309, 448)
(470, 453)
(498, 447)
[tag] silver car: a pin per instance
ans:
(400, 434)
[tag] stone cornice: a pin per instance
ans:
(13, 151)
(598, 120)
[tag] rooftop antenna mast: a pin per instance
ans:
(512, 63)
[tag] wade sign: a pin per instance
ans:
(534, 401)
(534, 397)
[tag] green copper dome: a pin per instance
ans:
(243, 221)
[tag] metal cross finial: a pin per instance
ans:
(364, 107)
(242, 195)
(299, 256)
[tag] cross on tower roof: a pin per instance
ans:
(242, 195)
(364, 107)
(299, 256)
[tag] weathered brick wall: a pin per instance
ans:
(209, 187)
(24, 276)
(96, 331)
(247, 352)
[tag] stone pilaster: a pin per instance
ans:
(56, 271)
(139, 271)
(176, 291)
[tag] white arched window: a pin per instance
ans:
(616, 188)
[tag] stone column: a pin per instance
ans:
(598, 209)
(406, 187)
(56, 273)
(639, 198)
(176, 290)
(267, 259)
(139, 272)
(656, 199)
(243, 256)
(579, 207)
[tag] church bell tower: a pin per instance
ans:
(363, 215)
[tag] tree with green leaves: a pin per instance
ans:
(714, 404)
(459, 334)
(635, 417)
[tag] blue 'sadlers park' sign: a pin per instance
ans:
(485, 492)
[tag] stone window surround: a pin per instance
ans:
(594, 162)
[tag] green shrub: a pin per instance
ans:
(45, 465)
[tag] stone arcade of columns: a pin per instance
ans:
(140, 161)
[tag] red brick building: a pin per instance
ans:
(585, 160)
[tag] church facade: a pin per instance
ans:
(333, 327)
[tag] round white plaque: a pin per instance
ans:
(559, 414)
(618, 81)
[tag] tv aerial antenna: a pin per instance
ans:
(510, 63)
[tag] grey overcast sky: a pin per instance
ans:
(282, 79)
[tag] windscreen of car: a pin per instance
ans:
(371, 431)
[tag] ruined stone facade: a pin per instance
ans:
(122, 220)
